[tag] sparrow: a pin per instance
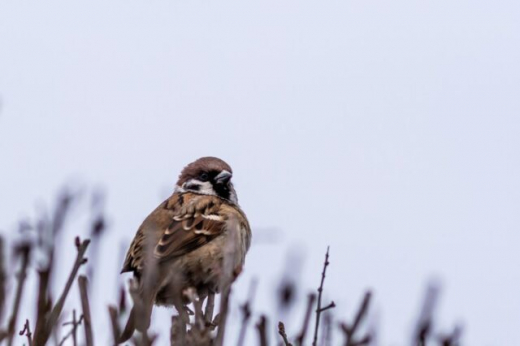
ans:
(196, 239)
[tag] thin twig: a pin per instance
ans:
(121, 306)
(97, 229)
(44, 303)
(48, 231)
(199, 314)
(85, 306)
(73, 332)
(222, 316)
(210, 306)
(310, 303)
(319, 309)
(112, 311)
(2, 279)
(286, 293)
(42, 337)
(283, 334)
(451, 339)
(145, 289)
(425, 321)
(261, 327)
(24, 251)
(60, 212)
(330, 306)
(227, 277)
(246, 312)
(75, 325)
(27, 331)
(350, 329)
(362, 342)
(326, 334)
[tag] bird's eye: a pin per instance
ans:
(203, 176)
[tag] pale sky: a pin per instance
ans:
(389, 130)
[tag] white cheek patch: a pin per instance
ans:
(206, 188)
(203, 187)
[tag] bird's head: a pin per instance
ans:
(208, 176)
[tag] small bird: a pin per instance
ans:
(196, 239)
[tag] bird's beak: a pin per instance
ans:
(223, 177)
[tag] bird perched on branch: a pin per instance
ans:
(196, 239)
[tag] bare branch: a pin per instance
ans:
(283, 334)
(112, 311)
(425, 320)
(27, 331)
(46, 243)
(85, 306)
(363, 342)
(122, 300)
(3, 280)
(227, 277)
(261, 327)
(210, 306)
(350, 330)
(310, 303)
(330, 306)
(326, 333)
(73, 332)
(60, 212)
(24, 251)
(42, 336)
(98, 226)
(453, 338)
(199, 314)
(319, 309)
(246, 312)
(44, 303)
(222, 316)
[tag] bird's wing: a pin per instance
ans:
(180, 225)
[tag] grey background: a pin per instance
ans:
(387, 129)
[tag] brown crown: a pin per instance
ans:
(204, 164)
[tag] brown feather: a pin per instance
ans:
(175, 229)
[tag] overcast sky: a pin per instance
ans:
(387, 129)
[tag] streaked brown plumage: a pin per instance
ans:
(192, 239)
